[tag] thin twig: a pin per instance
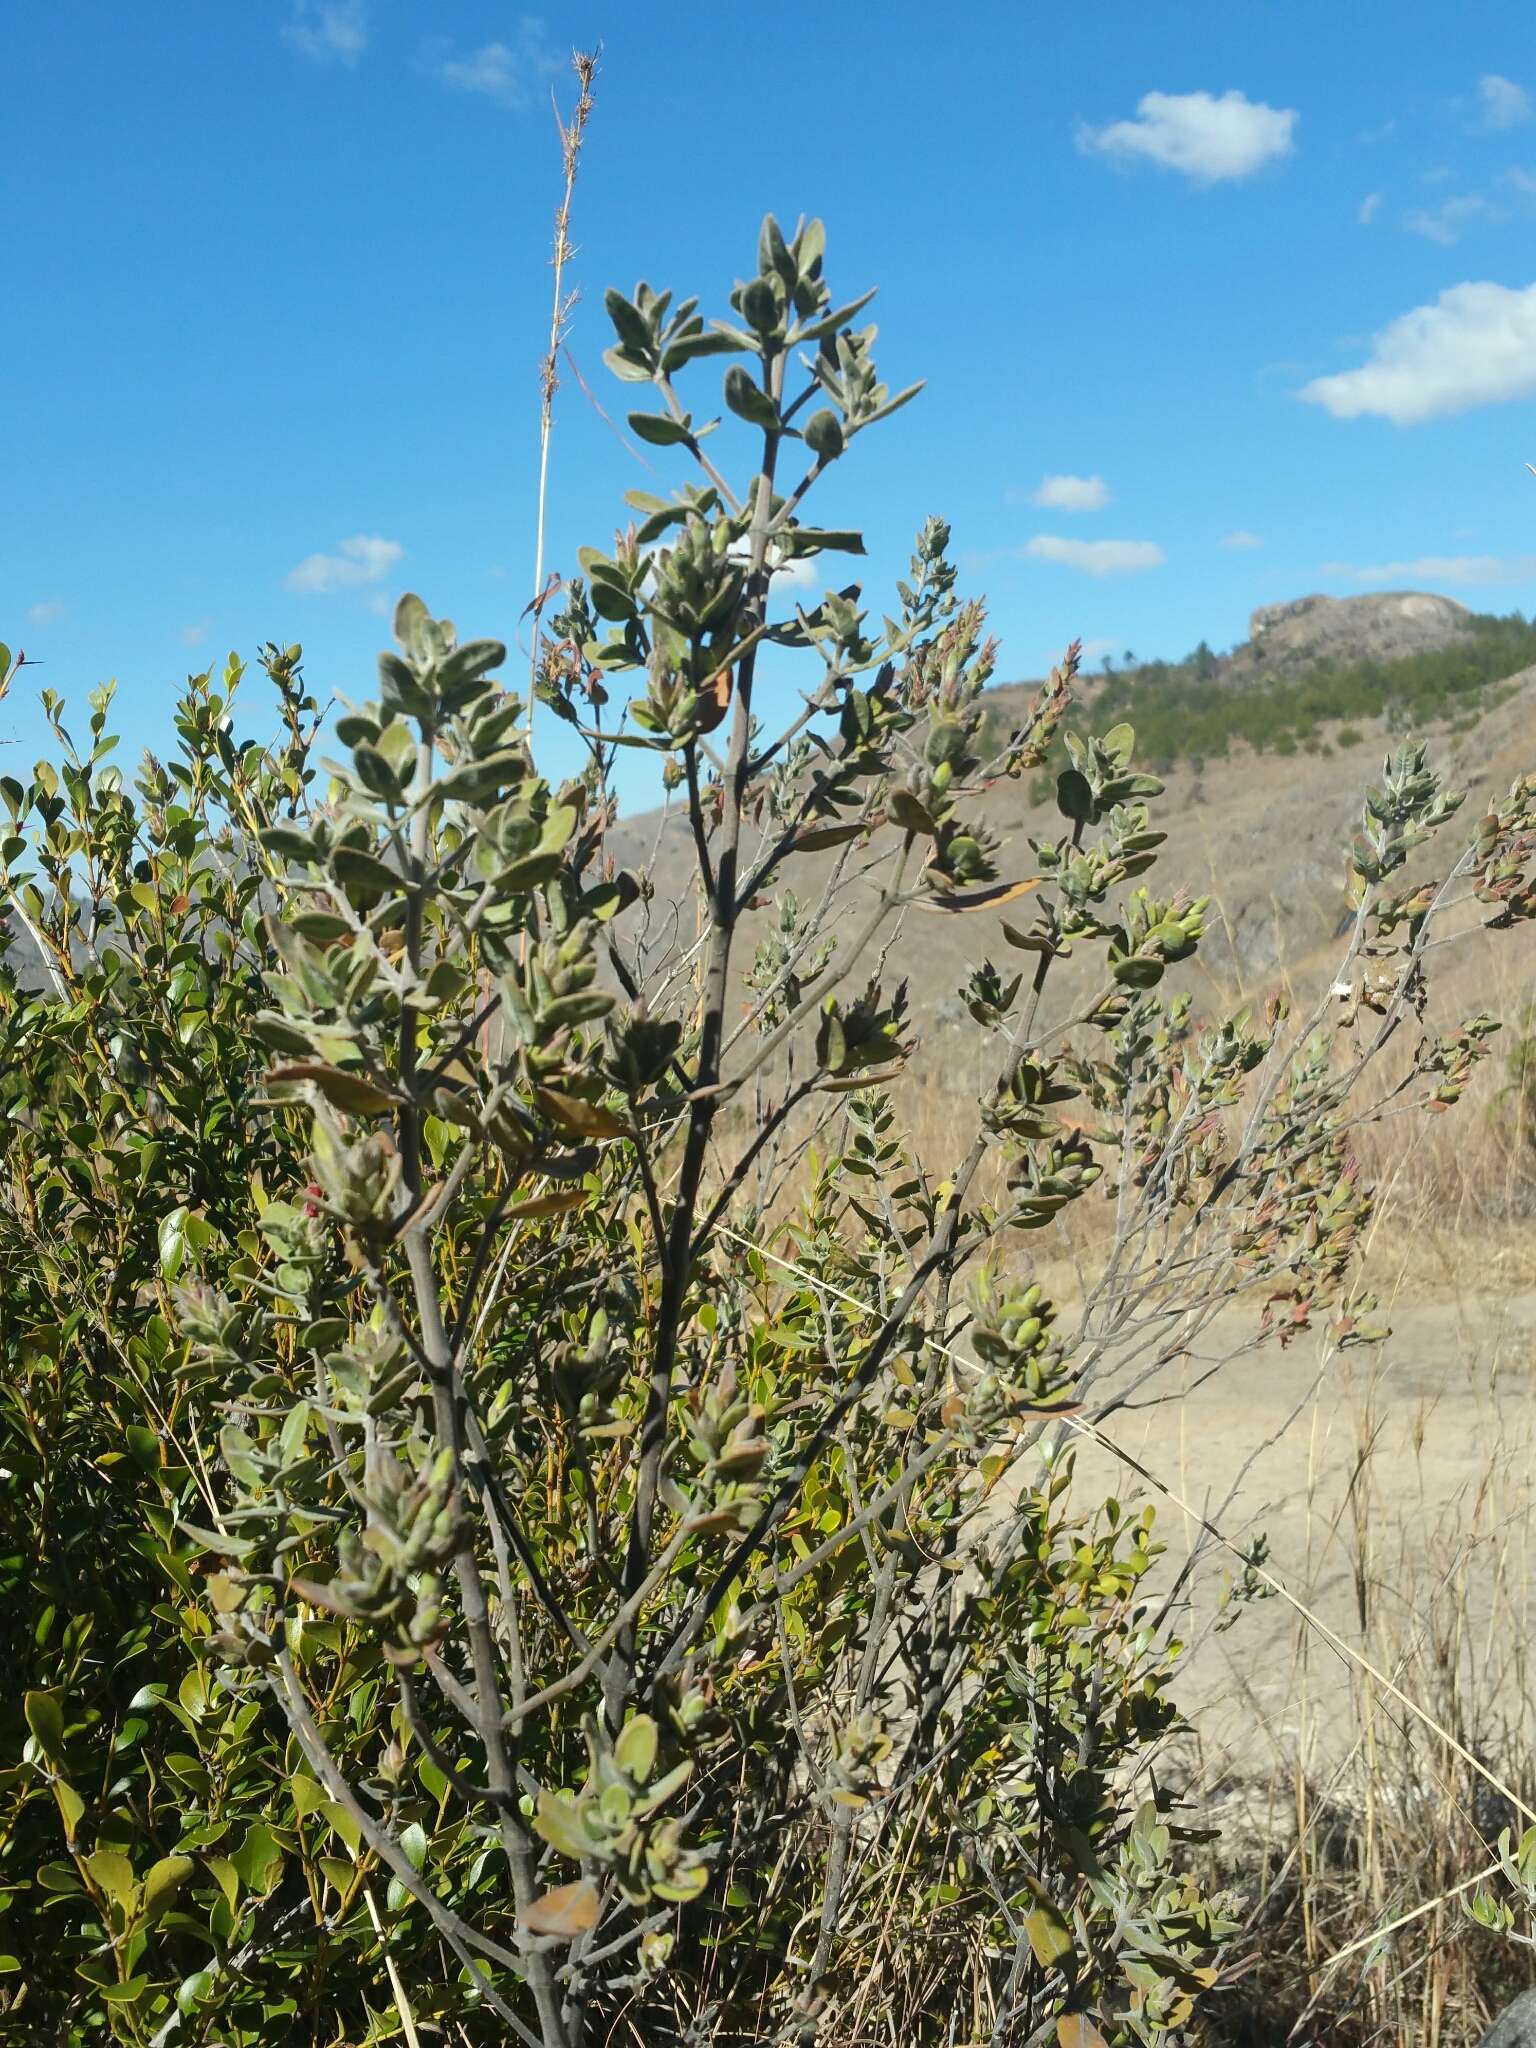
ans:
(572, 134)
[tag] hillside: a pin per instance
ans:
(1311, 671)
(1265, 751)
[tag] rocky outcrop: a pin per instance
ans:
(1382, 627)
(1515, 2027)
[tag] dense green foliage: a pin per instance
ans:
(1185, 711)
(493, 1551)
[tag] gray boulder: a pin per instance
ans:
(1515, 2026)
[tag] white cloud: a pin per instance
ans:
(1206, 138)
(332, 31)
(1442, 569)
(508, 73)
(48, 613)
(804, 572)
(1444, 223)
(1242, 538)
(1097, 557)
(1475, 346)
(1368, 209)
(192, 635)
(1072, 493)
(1504, 104)
(366, 558)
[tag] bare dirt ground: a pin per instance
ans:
(1396, 1485)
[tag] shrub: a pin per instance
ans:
(573, 1562)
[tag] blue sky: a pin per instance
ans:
(1255, 286)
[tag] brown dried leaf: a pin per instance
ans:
(565, 1912)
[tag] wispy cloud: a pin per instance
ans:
(1242, 538)
(1446, 222)
(1096, 557)
(330, 31)
(510, 73)
(196, 633)
(365, 558)
(1368, 208)
(48, 613)
(1502, 103)
(1442, 569)
(1207, 138)
(1068, 493)
(1476, 345)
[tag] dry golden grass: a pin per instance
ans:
(1351, 1829)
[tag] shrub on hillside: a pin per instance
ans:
(502, 1547)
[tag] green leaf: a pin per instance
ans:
(748, 400)
(842, 540)
(1135, 970)
(895, 404)
(468, 663)
(259, 1859)
(824, 435)
(835, 320)
(903, 808)
(350, 1093)
(660, 429)
(374, 771)
(724, 342)
(162, 1882)
(287, 842)
(173, 1242)
(307, 1796)
(128, 1992)
(1074, 796)
(413, 624)
(220, 1540)
(628, 323)
(558, 1821)
(193, 1693)
(760, 306)
(194, 1990)
(143, 1446)
(225, 1876)
(71, 1807)
(635, 1750)
(1049, 1935)
(45, 1718)
(413, 1840)
(112, 1873)
(355, 869)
